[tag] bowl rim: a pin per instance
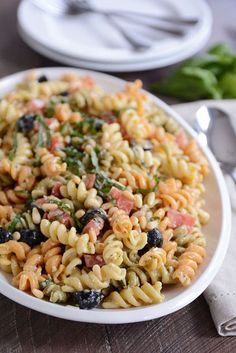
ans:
(118, 316)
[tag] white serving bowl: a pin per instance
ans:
(217, 231)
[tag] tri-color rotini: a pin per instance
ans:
(101, 195)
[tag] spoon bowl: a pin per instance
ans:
(215, 129)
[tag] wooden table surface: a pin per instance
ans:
(189, 330)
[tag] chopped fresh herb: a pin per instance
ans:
(153, 189)
(71, 151)
(117, 112)
(65, 128)
(28, 202)
(21, 191)
(51, 108)
(103, 184)
(94, 160)
(43, 128)
(14, 147)
(60, 203)
(35, 162)
(40, 142)
(78, 224)
(12, 226)
(75, 166)
(90, 124)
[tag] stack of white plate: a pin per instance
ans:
(89, 41)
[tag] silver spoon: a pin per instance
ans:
(214, 129)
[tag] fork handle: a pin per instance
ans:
(136, 44)
(168, 19)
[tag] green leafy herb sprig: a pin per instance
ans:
(211, 75)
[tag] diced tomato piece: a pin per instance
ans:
(125, 204)
(55, 214)
(66, 220)
(55, 143)
(61, 216)
(115, 193)
(41, 201)
(122, 202)
(52, 123)
(108, 117)
(89, 180)
(177, 219)
(181, 139)
(88, 81)
(36, 105)
(189, 220)
(91, 260)
(95, 224)
(56, 189)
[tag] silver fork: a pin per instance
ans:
(85, 6)
(167, 24)
(74, 7)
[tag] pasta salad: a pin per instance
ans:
(101, 195)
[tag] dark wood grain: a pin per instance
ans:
(189, 330)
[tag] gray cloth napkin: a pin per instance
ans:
(221, 293)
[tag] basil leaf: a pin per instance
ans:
(43, 128)
(94, 160)
(40, 142)
(90, 124)
(103, 184)
(12, 226)
(14, 147)
(71, 151)
(153, 189)
(51, 108)
(60, 204)
(75, 166)
(21, 191)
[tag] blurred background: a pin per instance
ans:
(146, 41)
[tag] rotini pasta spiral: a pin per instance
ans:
(188, 263)
(112, 252)
(135, 296)
(51, 165)
(76, 190)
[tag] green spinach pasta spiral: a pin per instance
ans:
(101, 195)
